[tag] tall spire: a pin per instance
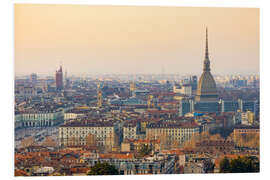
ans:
(206, 64)
(206, 45)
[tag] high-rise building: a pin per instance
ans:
(185, 106)
(193, 83)
(229, 106)
(247, 105)
(59, 79)
(206, 90)
(33, 78)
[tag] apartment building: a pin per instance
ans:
(100, 133)
(177, 132)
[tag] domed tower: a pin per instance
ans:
(206, 90)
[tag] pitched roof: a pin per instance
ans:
(116, 156)
(19, 172)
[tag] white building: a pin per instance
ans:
(39, 119)
(68, 116)
(184, 89)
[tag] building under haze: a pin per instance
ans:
(206, 97)
(59, 79)
(33, 78)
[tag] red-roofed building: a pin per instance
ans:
(19, 172)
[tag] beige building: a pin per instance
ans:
(80, 133)
(125, 147)
(247, 118)
(184, 89)
(173, 132)
(129, 130)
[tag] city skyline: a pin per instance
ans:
(150, 42)
(162, 100)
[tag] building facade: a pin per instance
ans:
(59, 79)
(174, 132)
(130, 131)
(39, 119)
(77, 133)
(126, 165)
(229, 106)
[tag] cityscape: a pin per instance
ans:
(137, 123)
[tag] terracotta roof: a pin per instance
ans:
(116, 156)
(19, 172)
(79, 170)
(172, 125)
(90, 123)
(174, 151)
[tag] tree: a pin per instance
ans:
(215, 137)
(103, 169)
(224, 166)
(247, 140)
(49, 142)
(204, 136)
(192, 142)
(208, 166)
(245, 164)
(145, 149)
(240, 165)
(29, 141)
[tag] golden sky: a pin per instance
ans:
(134, 39)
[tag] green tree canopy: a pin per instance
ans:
(208, 166)
(240, 165)
(225, 165)
(103, 169)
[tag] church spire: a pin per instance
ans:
(206, 66)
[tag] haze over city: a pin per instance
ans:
(136, 90)
(109, 39)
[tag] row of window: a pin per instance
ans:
(86, 128)
(248, 130)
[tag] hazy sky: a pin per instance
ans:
(115, 39)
